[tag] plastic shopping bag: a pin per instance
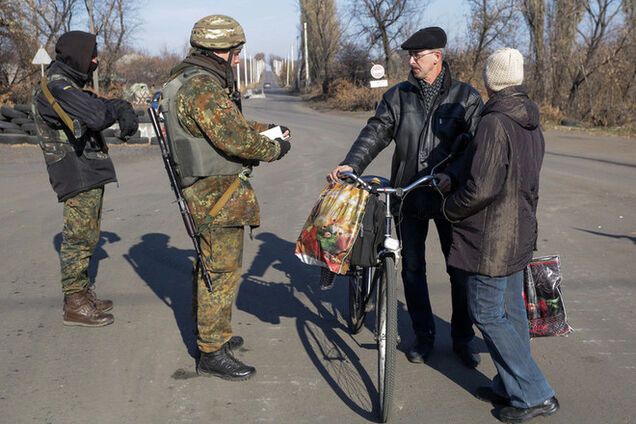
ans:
(331, 229)
(543, 298)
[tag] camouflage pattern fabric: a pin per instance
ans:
(205, 110)
(82, 215)
(241, 209)
(222, 250)
(217, 32)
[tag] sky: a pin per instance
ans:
(271, 26)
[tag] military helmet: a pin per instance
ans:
(217, 32)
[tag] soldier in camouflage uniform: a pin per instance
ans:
(220, 146)
(78, 164)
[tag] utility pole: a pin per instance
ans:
(238, 75)
(245, 63)
(91, 28)
(287, 72)
(307, 79)
(292, 58)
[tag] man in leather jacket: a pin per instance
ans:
(431, 117)
(78, 164)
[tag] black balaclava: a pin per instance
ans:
(76, 49)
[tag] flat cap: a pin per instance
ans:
(426, 39)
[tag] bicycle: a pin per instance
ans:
(381, 280)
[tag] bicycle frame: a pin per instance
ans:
(391, 245)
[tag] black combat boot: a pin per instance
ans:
(222, 364)
(80, 310)
(235, 342)
(103, 305)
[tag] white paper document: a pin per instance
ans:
(273, 133)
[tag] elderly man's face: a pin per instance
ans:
(423, 63)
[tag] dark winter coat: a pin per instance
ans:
(401, 116)
(496, 204)
(75, 165)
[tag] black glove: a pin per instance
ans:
(127, 119)
(284, 147)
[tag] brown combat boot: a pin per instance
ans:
(102, 305)
(80, 310)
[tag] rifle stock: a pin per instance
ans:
(184, 209)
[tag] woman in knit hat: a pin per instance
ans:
(495, 233)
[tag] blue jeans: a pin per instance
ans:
(497, 307)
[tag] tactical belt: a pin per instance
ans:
(226, 196)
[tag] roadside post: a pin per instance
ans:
(41, 58)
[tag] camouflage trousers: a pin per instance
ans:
(222, 251)
(82, 215)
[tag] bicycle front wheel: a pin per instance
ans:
(387, 336)
(357, 295)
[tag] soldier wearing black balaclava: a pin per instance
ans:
(68, 121)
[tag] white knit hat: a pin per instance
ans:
(504, 68)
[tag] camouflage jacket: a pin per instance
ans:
(205, 109)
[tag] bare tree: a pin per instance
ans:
(490, 20)
(24, 26)
(534, 13)
(323, 37)
(113, 22)
(601, 15)
(564, 17)
(386, 23)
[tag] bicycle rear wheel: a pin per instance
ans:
(357, 295)
(387, 336)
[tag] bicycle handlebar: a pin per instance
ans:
(398, 191)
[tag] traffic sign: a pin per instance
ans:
(379, 83)
(41, 57)
(377, 71)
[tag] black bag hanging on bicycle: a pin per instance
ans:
(371, 235)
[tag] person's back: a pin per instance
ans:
(494, 234)
(507, 236)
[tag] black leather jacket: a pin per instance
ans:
(400, 116)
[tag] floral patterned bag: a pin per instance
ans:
(543, 298)
(331, 229)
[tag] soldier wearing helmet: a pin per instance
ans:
(214, 148)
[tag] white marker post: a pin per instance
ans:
(41, 58)
(377, 72)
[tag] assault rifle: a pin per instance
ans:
(188, 220)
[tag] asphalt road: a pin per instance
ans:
(140, 369)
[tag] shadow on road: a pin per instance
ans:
(614, 236)
(316, 323)
(168, 272)
(98, 254)
(319, 314)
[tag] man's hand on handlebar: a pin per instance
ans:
(333, 175)
(443, 182)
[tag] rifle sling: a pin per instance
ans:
(55, 105)
(225, 197)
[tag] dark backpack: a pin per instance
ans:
(371, 236)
